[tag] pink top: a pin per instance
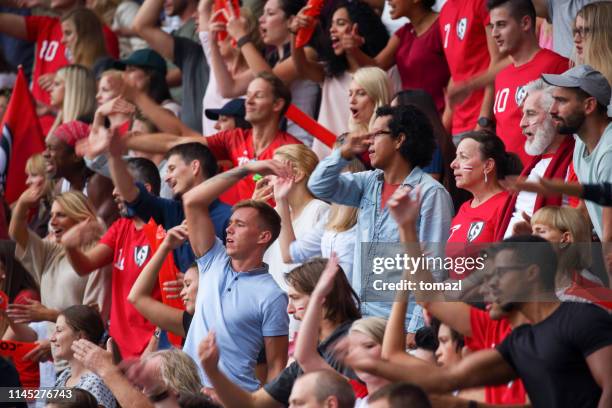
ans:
(421, 62)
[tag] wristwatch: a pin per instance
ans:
(243, 40)
(484, 122)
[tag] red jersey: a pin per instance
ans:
(462, 25)
(50, 52)
(29, 374)
(131, 252)
(488, 333)
(236, 145)
(510, 92)
(472, 226)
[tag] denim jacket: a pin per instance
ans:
(364, 190)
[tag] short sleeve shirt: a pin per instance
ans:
(237, 146)
(550, 357)
(50, 52)
(472, 226)
(488, 333)
(510, 92)
(189, 57)
(421, 62)
(131, 253)
(464, 38)
(241, 308)
(593, 168)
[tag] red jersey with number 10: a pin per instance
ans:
(462, 25)
(510, 92)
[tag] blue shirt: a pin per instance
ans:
(170, 213)
(241, 308)
(375, 224)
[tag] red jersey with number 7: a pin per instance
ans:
(510, 92)
(462, 25)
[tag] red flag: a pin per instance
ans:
(155, 235)
(310, 125)
(21, 138)
(305, 34)
(226, 4)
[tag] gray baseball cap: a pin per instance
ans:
(584, 77)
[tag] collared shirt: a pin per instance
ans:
(170, 213)
(241, 308)
(375, 224)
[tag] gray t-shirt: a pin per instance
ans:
(595, 168)
(561, 13)
(189, 57)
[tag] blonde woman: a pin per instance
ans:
(36, 171)
(593, 37)
(569, 231)
(73, 95)
(83, 37)
(46, 260)
(294, 202)
(117, 110)
(334, 233)
(369, 90)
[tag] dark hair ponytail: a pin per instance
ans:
(492, 147)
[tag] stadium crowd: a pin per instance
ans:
(201, 200)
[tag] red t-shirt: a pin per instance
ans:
(462, 26)
(29, 374)
(387, 192)
(488, 333)
(51, 53)
(131, 252)
(473, 226)
(421, 62)
(510, 92)
(236, 145)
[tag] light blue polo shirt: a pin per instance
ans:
(241, 308)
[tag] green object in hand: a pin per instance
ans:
(257, 177)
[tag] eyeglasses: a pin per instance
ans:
(582, 32)
(380, 133)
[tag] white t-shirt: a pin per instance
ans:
(525, 201)
(595, 168)
(314, 211)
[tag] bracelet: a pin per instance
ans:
(243, 40)
(159, 397)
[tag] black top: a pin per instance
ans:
(280, 387)
(598, 193)
(187, 321)
(9, 378)
(550, 357)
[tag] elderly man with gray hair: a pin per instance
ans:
(551, 154)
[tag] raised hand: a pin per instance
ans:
(94, 358)
(326, 281)
(40, 353)
(404, 209)
(269, 167)
(522, 227)
(84, 232)
(33, 194)
(282, 187)
(355, 144)
(209, 352)
(173, 288)
(45, 81)
(236, 26)
(351, 41)
(33, 311)
(264, 190)
(302, 20)
(176, 236)
(217, 23)
(116, 105)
